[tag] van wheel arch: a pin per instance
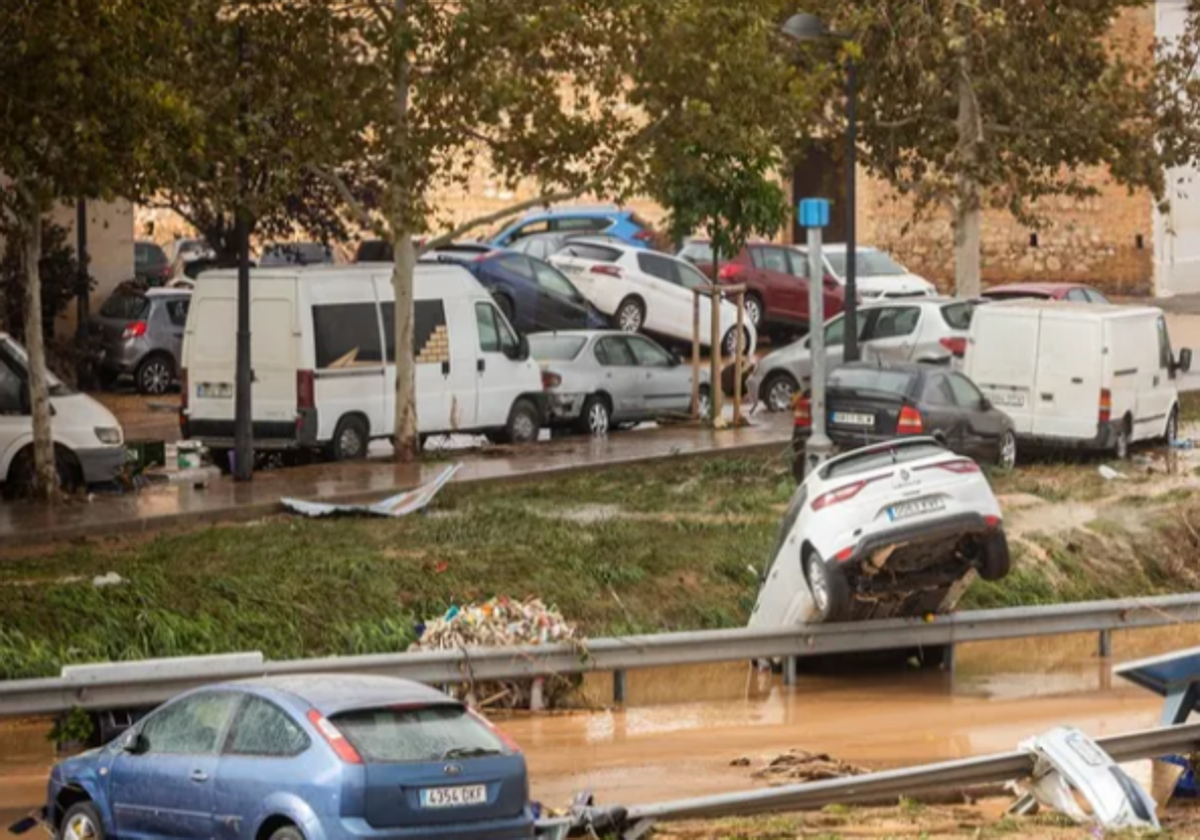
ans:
(150, 358)
(70, 471)
(354, 421)
(277, 826)
(71, 795)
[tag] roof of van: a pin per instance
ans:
(450, 279)
(1101, 310)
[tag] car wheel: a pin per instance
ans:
(287, 832)
(596, 417)
(1007, 458)
(778, 390)
(1172, 434)
(350, 440)
(1121, 447)
(22, 474)
(522, 423)
(830, 592)
(82, 822)
(729, 345)
(631, 315)
(995, 561)
(754, 310)
(154, 376)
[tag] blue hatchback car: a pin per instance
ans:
(616, 222)
(299, 758)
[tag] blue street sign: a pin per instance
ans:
(814, 212)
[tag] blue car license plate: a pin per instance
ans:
(453, 797)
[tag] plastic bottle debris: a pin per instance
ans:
(110, 579)
(1183, 443)
(1109, 474)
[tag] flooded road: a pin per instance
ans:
(683, 727)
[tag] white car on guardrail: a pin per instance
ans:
(886, 531)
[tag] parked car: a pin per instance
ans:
(776, 280)
(323, 345)
(930, 330)
(544, 245)
(1046, 291)
(88, 441)
(182, 251)
(1080, 375)
(150, 263)
(599, 379)
(533, 295)
(296, 253)
(625, 225)
(870, 403)
(885, 531)
(285, 758)
(645, 291)
(879, 276)
(141, 336)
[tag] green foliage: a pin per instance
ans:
(76, 726)
(60, 277)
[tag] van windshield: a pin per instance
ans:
(15, 354)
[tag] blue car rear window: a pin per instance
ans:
(426, 733)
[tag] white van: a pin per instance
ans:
(321, 338)
(88, 442)
(1078, 374)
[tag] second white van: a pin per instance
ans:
(321, 345)
(1076, 374)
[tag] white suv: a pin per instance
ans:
(644, 291)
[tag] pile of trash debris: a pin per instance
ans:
(503, 622)
(803, 766)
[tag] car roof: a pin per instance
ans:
(578, 333)
(1107, 310)
(1047, 288)
(333, 693)
(836, 247)
(448, 279)
(576, 210)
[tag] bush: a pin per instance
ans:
(60, 279)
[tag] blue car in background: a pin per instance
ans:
(320, 757)
(534, 295)
(616, 222)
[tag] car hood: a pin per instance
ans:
(80, 411)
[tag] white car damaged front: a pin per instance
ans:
(886, 531)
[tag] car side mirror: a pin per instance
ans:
(134, 743)
(519, 353)
(1185, 360)
(985, 404)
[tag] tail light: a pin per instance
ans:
(644, 236)
(306, 396)
(845, 554)
(956, 346)
(1105, 405)
(729, 271)
(962, 466)
(842, 494)
(801, 412)
(550, 379)
(992, 522)
(135, 330)
(909, 422)
(495, 730)
(344, 749)
(607, 270)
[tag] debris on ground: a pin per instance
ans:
(502, 622)
(1109, 474)
(803, 766)
(110, 579)
(399, 505)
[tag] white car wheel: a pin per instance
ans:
(596, 417)
(777, 392)
(630, 316)
(753, 309)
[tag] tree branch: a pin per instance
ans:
(364, 218)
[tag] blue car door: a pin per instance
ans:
(511, 276)
(164, 787)
(267, 753)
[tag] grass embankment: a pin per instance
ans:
(639, 549)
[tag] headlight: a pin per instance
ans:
(108, 436)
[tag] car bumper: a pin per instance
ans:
(102, 464)
(564, 408)
(928, 530)
(1105, 439)
(219, 434)
(519, 828)
(122, 357)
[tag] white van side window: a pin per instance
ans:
(347, 335)
(10, 391)
(431, 333)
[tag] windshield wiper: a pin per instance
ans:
(468, 752)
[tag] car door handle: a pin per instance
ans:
(446, 368)
(481, 365)
(199, 776)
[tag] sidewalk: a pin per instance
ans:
(157, 508)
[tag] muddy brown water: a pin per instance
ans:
(683, 727)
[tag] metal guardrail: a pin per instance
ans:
(912, 781)
(149, 683)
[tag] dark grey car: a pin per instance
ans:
(141, 336)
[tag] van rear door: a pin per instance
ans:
(273, 357)
(1002, 360)
(1070, 361)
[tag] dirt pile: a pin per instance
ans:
(798, 766)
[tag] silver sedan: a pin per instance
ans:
(600, 379)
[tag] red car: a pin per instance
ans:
(776, 280)
(1046, 291)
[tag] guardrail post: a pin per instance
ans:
(789, 670)
(948, 659)
(1105, 650)
(620, 686)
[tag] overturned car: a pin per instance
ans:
(887, 531)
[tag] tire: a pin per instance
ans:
(1121, 447)
(506, 306)
(1006, 455)
(596, 417)
(754, 310)
(830, 591)
(630, 316)
(82, 822)
(777, 391)
(287, 832)
(729, 344)
(995, 560)
(220, 460)
(22, 478)
(350, 440)
(154, 375)
(705, 402)
(523, 423)
(1172, 431)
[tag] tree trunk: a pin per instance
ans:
(407, 441)
(45, 481)
(968, 207)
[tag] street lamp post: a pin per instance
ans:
(814, 215)
(805, 28)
